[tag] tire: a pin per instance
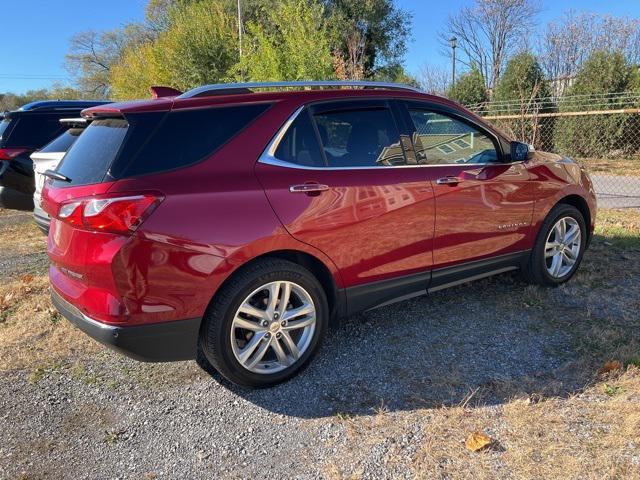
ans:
(539, 267)
(224, 340)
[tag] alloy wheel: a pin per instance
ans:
(273, 327)
(562, 247)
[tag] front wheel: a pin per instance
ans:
(266, 324)
(559, 247)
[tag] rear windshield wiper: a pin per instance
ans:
(56, 176)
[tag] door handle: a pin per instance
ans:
(448, 181)
(308, 188)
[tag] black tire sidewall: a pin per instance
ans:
(218, 320)
(539, 266)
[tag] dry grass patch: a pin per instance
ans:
(593, 435)
(22, 238)
(32, 334)
(628, 167)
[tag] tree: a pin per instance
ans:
(12, 101)
(368, 35)
(92, 54)
(523, 84)
(602, 74)
(199, 46)
(469, 89)
(489, 32)
(524, 91)
(567, 43)
(434, 79)
(292, 43)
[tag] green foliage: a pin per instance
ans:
(522, 81)
(384, 27)
(523, 90)
(469, 89)
(609, 135)
(199, 46)
(603, 72)
(291, 43)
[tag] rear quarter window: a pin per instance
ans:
(179, 139)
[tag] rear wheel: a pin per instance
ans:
(266, 324)
(559, 247)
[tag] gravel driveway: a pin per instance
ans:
(477, 345)
(115, 418)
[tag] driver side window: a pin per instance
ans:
(442, 140)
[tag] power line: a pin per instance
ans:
(26, 76)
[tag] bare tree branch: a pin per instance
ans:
(489, 32)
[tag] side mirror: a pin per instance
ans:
(520, 151)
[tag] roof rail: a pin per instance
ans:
(236, 88)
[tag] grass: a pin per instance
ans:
(628, 167)
(32, 337)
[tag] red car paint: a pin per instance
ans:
(217, 215)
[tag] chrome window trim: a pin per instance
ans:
(268, 155)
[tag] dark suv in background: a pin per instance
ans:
(22, 132)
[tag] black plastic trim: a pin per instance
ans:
(369, 295)
(157, 342)
(450, 276)
(376, 294)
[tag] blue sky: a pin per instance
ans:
(34, 46)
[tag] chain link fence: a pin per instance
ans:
(602, 132)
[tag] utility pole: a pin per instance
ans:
(240, 36)
(454, 43)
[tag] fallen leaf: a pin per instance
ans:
(477, 441)
(28, 278)
(610, 366)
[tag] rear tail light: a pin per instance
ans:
(109, 214)
(11, 153)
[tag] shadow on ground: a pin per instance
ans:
(481, 343)
(477, 344)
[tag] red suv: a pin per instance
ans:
(242, 224)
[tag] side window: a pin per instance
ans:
(360, 138)
(440, 139)
(300, 145)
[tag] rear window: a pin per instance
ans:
(4, 123)
(88, 160)
(33, 130)
(154, 142)
(63, 142)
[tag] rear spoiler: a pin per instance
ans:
(161, 92)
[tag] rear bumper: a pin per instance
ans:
(158, 342)
(41, 218)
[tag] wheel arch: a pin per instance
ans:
(583, 207)
(335, 295)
